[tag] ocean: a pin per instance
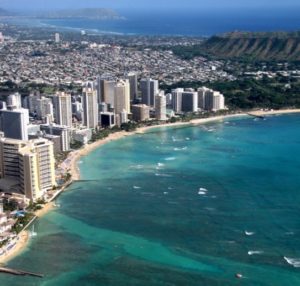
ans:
(181, 23)
(178, 206)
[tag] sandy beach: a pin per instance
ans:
(18, 249)
(274, 112)
(47, 207)
(71, 163)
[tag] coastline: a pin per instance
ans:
(71, 163)
(21, 244)
(75, 156)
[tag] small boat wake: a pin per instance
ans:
(255, 252)
(295, 262)
(249, 233)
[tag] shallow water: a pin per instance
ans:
(184, 206)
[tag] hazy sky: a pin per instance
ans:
(147, 4)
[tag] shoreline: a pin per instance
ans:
(73, 158)
(21, 244)
(76, 155)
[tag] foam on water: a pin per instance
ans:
(170, 159)
(255, 252)
(249, 233)
(295, 262)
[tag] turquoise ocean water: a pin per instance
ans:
(185, 206)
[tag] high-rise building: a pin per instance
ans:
(202, 91)
(14, 123)
(149, 88)
(161, 106)
(122, 96)
(189, 101)
(14, 100)
(62, 131)
(218, 101)
(44, 108)
(63, 109)
(133, 82)
(57, 38)
(1, 37)
(140, 112)
(90, 108)
(30, 164)
(177, 99)
(210, 100)
(123, 117)
(109, 92)
(31, 102)
(107, 119)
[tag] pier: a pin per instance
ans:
(19, 272)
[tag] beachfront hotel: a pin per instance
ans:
(63, 109)
(149, 88)
(209, 99)
(161, 106)
(27, 167)
(90, 108)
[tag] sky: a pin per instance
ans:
(148, 4)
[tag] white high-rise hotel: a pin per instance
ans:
(90, 108)
(122, 96)
(63, 109)
(209, 99)
(161, 106)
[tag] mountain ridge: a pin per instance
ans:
(253, 46)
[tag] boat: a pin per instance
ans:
(238, 275)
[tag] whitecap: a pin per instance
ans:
(180, 149)
(187, 139)
(254, 252)
(293, 261)
(165, 193)
(136, 166)
(136, 187)
(201, 193)
(249, 233)
(203, 190)
(210, 209)
(170, 159)
(162, 175)
(160, 164)
(290, 233)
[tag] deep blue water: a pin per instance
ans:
(174, 207)
(187, 23)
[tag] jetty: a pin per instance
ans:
(19, 272)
